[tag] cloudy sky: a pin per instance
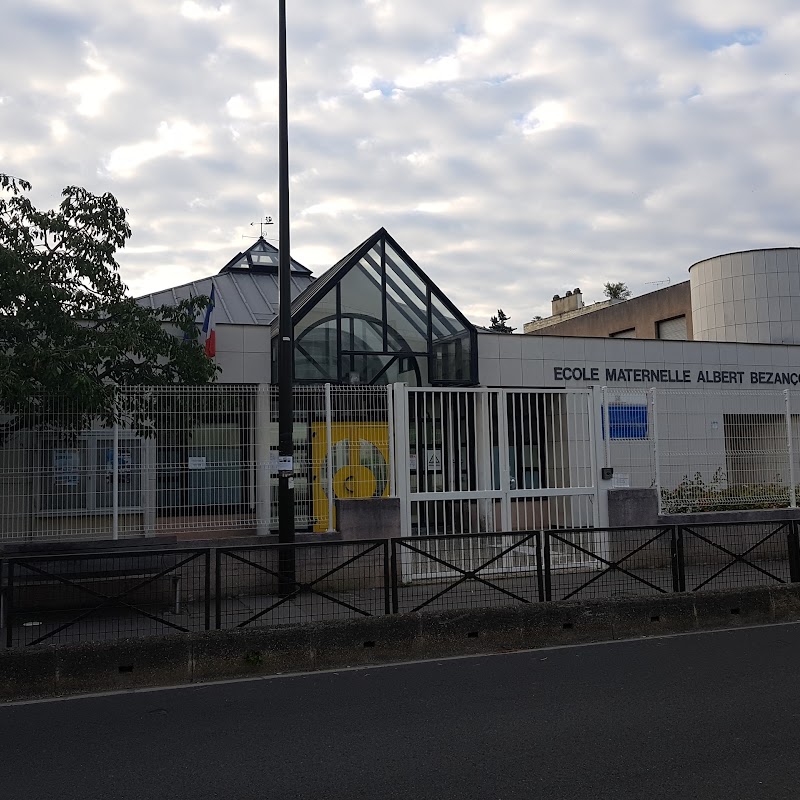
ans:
(516, 148)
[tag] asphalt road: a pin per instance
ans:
(714, 715)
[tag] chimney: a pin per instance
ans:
(571, 301)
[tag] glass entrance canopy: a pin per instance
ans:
(376, 318)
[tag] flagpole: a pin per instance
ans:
(285, 331)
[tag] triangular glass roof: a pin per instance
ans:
(376, 317)
(261, 256)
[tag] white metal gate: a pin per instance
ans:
(494, 461)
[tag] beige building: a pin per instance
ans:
(749, 297)
(663, 314)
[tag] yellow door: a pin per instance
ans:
(360, 464)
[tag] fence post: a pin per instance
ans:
(115, 479)
(656, 460)
(548, 585)
(539, 566)
(218, 590)
(329, 455)
(390, 421)
(679, 570)
(394, 579)
(606, 420)
(207, 588)
(793, 541)
(263, 458)
(9, 605)
(790, 443)
(675, 558)
(387, 579)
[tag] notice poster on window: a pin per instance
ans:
(124, 463)
(66, 467)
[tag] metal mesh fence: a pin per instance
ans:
(448, 572)
(722, 450)
(194, 462)
(732, 557)
(609, 563)
(71, 598)
(274, 585)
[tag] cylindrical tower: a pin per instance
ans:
(751, 296)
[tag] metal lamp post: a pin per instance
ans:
(285, 330)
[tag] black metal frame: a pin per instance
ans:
(388, 584)
(611, 566)
(295, 588)
(106, 600)
(466, 575)
(791, 527)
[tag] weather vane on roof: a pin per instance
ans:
(266, 221)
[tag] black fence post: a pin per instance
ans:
(539, 566)
(548, 578)
(9, 604)
(394, 580)
(218, 589)
(2, 594)
(794, 552)
(387, 579)
(680, 559)
(207, 588)
(674, 558)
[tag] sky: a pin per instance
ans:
(516, 149)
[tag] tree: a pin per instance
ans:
(616, 291)
(69, 332)
(499, 323)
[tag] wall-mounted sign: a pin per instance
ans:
(197, 462)
(650, 376)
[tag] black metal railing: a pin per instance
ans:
(74, 597)
(598, 563)
(437, 573)
(329, 580)
(57, 599)
(728, 557)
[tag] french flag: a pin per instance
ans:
(209, 334)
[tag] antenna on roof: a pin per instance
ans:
(659, 283)
(267, 221)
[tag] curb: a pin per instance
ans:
(58, 671)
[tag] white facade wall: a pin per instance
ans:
(703, 391)
(747, 297)
(243, 353)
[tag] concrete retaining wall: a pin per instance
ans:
(101, 666)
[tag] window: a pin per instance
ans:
(375, 318)
(79, 475)
(674, 328)
(206, 469)
(628, 333)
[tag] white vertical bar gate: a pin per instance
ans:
(495, 461)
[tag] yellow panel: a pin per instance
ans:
(360, 464)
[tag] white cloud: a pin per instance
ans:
(547, 116)
(179, 138)
(515, 149)
(198, 11)
(435, 70)
(94, 88)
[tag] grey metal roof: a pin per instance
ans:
(246, 289)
